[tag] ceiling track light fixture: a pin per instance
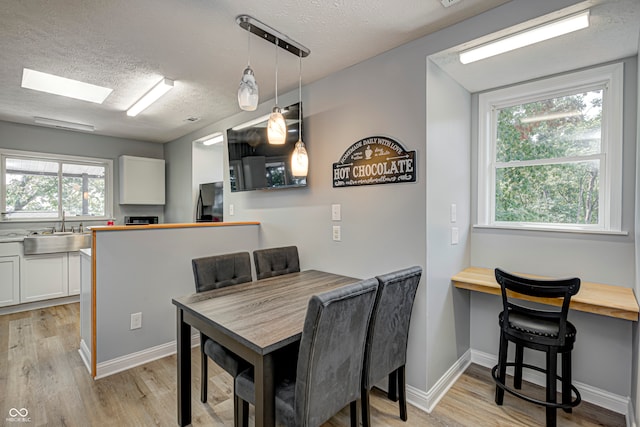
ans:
(276, 127)
(162, 87)
(528, 37)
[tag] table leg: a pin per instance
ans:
(184, 370)
(265, 414)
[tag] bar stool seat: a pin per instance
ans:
(548, 331)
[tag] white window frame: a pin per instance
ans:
(107, 163)
(610, 78)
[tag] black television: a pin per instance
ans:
(254, 164)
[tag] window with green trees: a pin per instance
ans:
(42, 188)
(550, 153)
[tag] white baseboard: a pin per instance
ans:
(85, 354)
(631, 415)
(599, 397)
(119, 364)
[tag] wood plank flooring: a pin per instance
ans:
(41, 370)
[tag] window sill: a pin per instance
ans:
(550, 229)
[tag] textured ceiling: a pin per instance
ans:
(129, 45)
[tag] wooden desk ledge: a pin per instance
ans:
(597, 298)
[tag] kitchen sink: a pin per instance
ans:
(58, 242)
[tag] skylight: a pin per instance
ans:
(62, 86)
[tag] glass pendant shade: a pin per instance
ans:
(276, 127)
(299, 160)
(248, 91)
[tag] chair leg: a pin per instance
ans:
(354, 413)
(566, 380)
(502, 368)
(366, 410)
(392, 394)
(552, 371)
(204, 375)
(402, 389)
(240, 412)
(517, 377)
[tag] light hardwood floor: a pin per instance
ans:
(41, 370)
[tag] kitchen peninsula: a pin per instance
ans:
(126, 314)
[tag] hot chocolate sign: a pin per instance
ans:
(374, 160)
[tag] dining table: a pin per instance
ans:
(253, 320)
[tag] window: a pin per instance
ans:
(43, 186)
(550, 153)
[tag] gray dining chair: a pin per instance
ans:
(276, 261)
(214, 272)
(327, 375)
(386, 346)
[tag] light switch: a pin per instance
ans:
(335, 213)
(336, 233)
(231, 209)
(454, 212)
(454, 235)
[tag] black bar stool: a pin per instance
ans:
(542, 330)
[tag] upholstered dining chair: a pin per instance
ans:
(328, 372)
(542, 329)
(276, 261)
(210, 273)
(386, 348)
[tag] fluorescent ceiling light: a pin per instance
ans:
(62, 124)
(214, 138)
(528, 37)
(62, 86)
(150, 97)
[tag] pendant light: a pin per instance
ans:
(299, 158)
(248, 90)
(276, 127)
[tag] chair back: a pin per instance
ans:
(511, 285)
(386, 348)
(276, 261)
(218, 271)
(331, 352)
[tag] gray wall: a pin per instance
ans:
(448, 182)
(385, 227)
(595, 258)
(635, 377)
(47, 140)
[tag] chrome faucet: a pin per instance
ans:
(62, 229)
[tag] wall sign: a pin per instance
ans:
(374, 160)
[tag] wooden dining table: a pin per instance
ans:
(253, 320)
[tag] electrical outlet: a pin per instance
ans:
(231, 209)
(336, 233)
(335, 213)
(136, 321)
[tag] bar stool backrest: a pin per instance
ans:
(546, 291)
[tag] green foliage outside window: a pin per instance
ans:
(548, 160)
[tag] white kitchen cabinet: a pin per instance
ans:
(74, 273)
(9, 280)
(142, 181)
(43, 277)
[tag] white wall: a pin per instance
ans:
(47, 140)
